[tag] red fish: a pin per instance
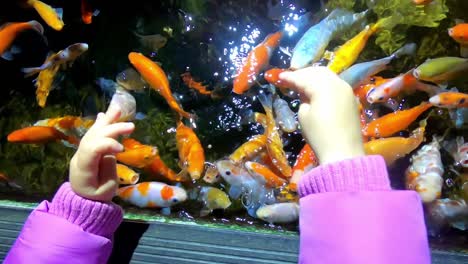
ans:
(188, 80)
(9, 32)
(39, 135)
(272, 76)
(257, 60)
(305, 160)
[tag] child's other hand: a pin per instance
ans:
(328, 113)
(92, 169)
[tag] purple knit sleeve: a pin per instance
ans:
(366, 173)
(95, 217)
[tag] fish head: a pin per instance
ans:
(265, 213)
(459, 33)
(231, 172)
(78, 48)
(373, 96)
(173, 194)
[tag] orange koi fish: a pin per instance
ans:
(422, 2)
(10, 31)
(394, 122)
(394, 148)
(265, 159)
(39, 135)
(152, 195)
(52, 16)
(158, 167)
(157, 79)
(424, 175)
(138, 157)
(264, 175)
(305, 160)
(405, 82)
(191, 153)
(87, 12)
(249, 149)
(257, 59)
(362, 91)
(459, 33)
(125, 175)
(450, 100)
(272, 76)
(188, 80)
(68, 124)
(274, 144)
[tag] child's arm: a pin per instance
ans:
(348, 212)
(77, 226)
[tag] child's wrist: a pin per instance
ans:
(99, 218)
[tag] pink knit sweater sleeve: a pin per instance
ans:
(349, 214)
(70, 229)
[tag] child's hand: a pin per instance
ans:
(328, 114)
(92, 169)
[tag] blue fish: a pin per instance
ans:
(360, 73)
(313, 43)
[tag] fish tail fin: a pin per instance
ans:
(266, 100)
(408, 49)
(36, 26)
(28, 72)
(386, 23)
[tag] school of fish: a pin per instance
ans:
(259, 173)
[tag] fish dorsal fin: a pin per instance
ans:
(59, 12)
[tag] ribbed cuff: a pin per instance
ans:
(95, 217)
(366, 173)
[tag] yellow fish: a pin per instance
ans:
(347, 54)
(44, 84)
(52, 16)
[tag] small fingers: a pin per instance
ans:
(116, 129)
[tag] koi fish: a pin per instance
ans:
(157, 79)
(279, 213)
(441, 70)
(459, 33)
(9, 32)
(52, 16)
(264, 175)
(68, 124)
(213, 199)
(188, 80)
(191, 153)
(405, 82)
(305, 161)
(63, 57)
(257, 59)
(362, 91)
(249, 149)
(422, 2)
(448, 212)
(211, 174)
(158, 167)
(152, 195)
(274, 144)
(40, 135)
(152, 42)
(237, 177)
(124, 101)
(459, 151)
(4, 178)
(361, 73)
(44, 84)
(313, 43)
(348, 53)
(87, 12)
(450, 100)
(138, 157)
(131, 80)
(125, 175)
(394, 148)
(424, 175)
(272, 76)
(394, 122)
(285, 117)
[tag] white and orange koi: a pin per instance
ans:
(152, 195)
